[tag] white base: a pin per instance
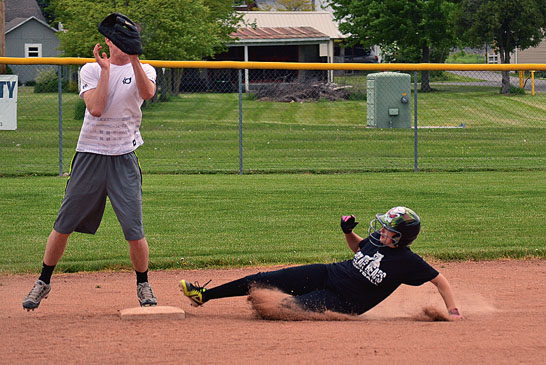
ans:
(156, 312)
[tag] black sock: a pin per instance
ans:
(141, 277)
(47, 271)
(232, 289)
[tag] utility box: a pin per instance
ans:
(389, 95)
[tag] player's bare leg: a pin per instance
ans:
(139, 253)
(56, 244)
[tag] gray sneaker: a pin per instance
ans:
(37, 293)
(145, 295)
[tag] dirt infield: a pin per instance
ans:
(504, 303)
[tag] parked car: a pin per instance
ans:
(358, 54)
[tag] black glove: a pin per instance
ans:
(348, 223)
(123, 32)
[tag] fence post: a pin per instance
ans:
(415, 165)
(60, 85)
(240, 122)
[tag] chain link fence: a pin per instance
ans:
(265, 121)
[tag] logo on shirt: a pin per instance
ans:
(369, 267)
(126, 80)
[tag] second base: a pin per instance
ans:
(156, 312)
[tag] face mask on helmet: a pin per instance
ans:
(403, 222)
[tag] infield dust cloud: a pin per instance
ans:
(433, 314)
(407, 303)
(270, 304)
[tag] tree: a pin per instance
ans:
(185, 30)
(505, 24)
(80, 18)
(170, 29)
(409, 30)
(46, 11)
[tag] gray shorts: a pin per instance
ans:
(94, 177)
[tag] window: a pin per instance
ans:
(33, 50)
(492, 58)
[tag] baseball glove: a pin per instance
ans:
(123, 32)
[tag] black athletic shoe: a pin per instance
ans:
(194, 292)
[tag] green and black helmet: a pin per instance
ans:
(404, 222)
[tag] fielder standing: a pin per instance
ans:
(381, 263)
(105, 164)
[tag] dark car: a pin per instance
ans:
(359, 54)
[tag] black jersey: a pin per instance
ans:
(375, 272)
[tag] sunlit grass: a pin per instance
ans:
(194, 221)
(199, 133)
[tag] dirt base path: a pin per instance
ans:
(504, 303)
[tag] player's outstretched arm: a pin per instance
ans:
(445, 291)
(353, 240)
(348, 222)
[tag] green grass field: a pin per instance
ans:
(195, 221)
(199, 133)
(463, 57)
(480, 192)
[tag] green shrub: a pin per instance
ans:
(71, 87)
(8, 71)
(79, 109)
(358, 96)
(516, 90)
(48, 82)
(437, 75)
(251, 96)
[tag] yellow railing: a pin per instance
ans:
(291, 65)
(522, 81)
(521, 68)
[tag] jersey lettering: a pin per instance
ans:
(369, 267)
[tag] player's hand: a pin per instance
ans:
(103, 61)
(348, 223)
(455, 315)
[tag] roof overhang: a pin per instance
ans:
(266, 36)
(320, 20)
(18, 22)
(278, 42)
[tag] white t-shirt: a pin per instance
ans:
(116, 131)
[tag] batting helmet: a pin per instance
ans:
(404, 222)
